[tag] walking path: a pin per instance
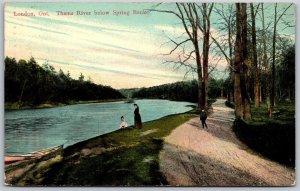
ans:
(193, 156)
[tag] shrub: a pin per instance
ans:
(274, 139)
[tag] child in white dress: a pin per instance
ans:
(123, 123)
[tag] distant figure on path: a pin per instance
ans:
(123, 123)
(203, 117)
(137, 117)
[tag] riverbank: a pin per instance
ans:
(16, 106)
(127, 157)
(172, 150)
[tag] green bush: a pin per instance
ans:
(273, 139)
(229, 104)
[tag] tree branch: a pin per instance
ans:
(165, 11)
(221, 49)
(177, 45)
(184, 24)
(283, 13)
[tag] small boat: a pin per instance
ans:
(32, 156)
(15, 158)
(18, 166)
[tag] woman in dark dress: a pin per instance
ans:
(137, 117)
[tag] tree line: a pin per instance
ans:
(182, 91)
(27, 83)
(248, 38)
(249, 64)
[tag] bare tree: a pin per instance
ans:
(206, 12)
(245, 60)
(226, 44)
(195, 19)
(237, 66)
(254, 59)
(241, 77)
(265, 59)
(277, 18)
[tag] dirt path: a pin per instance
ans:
(193, 156)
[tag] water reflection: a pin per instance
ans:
(30, 130)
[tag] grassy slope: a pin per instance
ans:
(282, 112)
(123, 157)
(275, 137)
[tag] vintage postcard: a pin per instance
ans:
(149, 94)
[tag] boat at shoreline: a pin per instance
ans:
(9, 159)
(35, 155)
(16, 166)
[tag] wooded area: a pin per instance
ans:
(260, 61)
(188, 92)
(257, 54)
(27, 83)
(182, 91)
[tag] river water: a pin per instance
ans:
(35, 129)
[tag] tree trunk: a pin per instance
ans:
(265, 61)
(260, 78)
(231, 65)
(256, 80)
(260, 93)
(200, 77)
(193, 21)
(237, 66)
(245, 89)
(272, 98)
(21, 95)
(206, 36)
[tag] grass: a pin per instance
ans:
(127, 158)
(273, 137)
(284, 112)
(229, 104)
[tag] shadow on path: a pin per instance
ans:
(196, 169)
(193, 156)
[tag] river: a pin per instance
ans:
(35, 129)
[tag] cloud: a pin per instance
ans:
(112, 53)
(37, 28)
(178, 30)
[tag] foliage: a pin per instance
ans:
(128, 92)
(217, 87)
(229, 104)
(286, 75)
(179, 91)
(27, 83)
(273, 139)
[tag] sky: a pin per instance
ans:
(119, 49)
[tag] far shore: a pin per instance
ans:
(14, 106)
